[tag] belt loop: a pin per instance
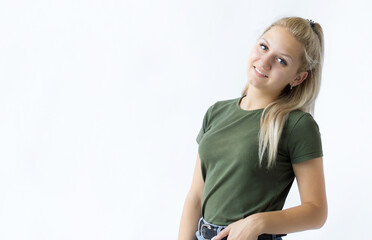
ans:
(199, 223)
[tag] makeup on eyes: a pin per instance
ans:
(283, 54)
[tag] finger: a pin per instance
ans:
(222, 234)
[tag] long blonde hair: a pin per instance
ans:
(301, 97)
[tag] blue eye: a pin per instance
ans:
(282, 61)
(263, 46)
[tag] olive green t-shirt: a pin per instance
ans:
(235, 185)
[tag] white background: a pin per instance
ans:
(101, 102)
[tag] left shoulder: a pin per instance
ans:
(303, 137)
(298, 119)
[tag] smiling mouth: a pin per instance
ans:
(258, 71)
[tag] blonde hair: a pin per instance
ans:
(301, 97)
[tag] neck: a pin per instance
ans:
(255, 99)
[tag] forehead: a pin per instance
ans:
(281, 40)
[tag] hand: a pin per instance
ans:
(244, 229)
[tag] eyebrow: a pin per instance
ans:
(279, 53)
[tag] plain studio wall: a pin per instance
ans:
(101, 102)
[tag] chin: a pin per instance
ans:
(253, 80)
(256, 83)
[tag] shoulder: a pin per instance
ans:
(304, 138)
(300, 120)
(225, 103)
(222, 105)
(296, 115)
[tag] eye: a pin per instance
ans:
(263, 46)
(282, 61)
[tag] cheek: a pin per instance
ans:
(284, 77)
(254, 55)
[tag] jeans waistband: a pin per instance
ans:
(208, 231)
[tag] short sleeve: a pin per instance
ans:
(304, 142)
(204, 127)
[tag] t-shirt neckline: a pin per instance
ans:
(246, 111)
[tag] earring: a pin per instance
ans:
(291, 86)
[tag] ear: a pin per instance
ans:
(300, 78)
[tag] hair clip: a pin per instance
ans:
(312, 23)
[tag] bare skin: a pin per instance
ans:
(272, 65)
(192, 207)
(267, 76)
(311, 214)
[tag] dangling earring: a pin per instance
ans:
(291, 86)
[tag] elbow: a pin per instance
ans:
(194, 199)
(320, 223)
(323, 219)
(321, 213)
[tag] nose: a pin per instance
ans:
(265, 61)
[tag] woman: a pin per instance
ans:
(251, 148)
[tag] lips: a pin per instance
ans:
(259, 72)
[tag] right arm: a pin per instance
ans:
(192, 207)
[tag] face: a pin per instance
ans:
(274, 62)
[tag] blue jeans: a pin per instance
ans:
(219, 229)
(198, 235)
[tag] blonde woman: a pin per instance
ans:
(251, 148)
